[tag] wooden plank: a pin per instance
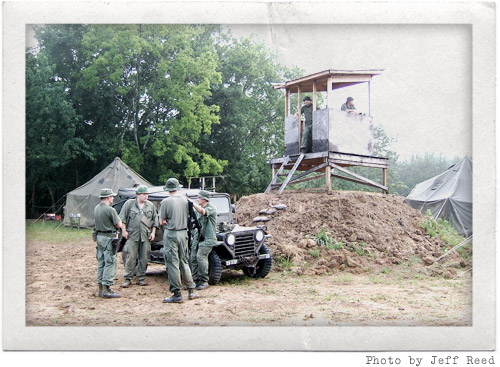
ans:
(307, 179)
(359, 177)
(339, 158)
(351, 78)
(287, 103)
(290, 174)
(352, 180)
(369, 98)
(299, 95)
(329, 93)
(275, 178)
(314, 96)
(309, 171)
(328, 178)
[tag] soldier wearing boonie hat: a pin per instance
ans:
(307, 110)
(174, 213)
(107, 222)
(140, 220)
(203, 243)
(348, 106)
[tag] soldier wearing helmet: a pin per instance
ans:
(140, 220)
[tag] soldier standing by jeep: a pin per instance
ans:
(203, 243)
(174, 212)
(107, 222)
(140, 220)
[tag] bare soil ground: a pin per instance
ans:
(392, 286)
(400, 297)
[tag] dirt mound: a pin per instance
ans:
(318, 233)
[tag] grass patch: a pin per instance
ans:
(343, 278)
(441, 228)
(315, 253)
(48, 231)
(379, 297)
(358, 248)
(237, 280)
(323, 238)
(466, 251)
(284, 261)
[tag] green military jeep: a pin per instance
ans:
(238, 247)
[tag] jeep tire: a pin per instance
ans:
(263, 266)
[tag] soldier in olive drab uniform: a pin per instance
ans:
(348, 106)
(174, 213)
(307, 110)
(203, 243)
(107, 222)
(140, 220)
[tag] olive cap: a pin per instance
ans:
(307, 98)
(172, 184)
(106, 193)
(141, 189)
(204, 195)
(350, 99)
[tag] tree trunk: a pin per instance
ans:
(32, 201)
(52, 209)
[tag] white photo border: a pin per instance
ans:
(480, 336)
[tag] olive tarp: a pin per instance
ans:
(447, 196)
(82, 200)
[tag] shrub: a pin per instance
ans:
(442, 228)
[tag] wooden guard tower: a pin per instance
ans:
(340, 139)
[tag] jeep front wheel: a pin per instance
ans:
(263, 266)
(214, 268)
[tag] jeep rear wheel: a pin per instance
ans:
(214, 268)
(263, 266)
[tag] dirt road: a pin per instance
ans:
(61, 290)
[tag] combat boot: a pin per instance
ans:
(101, 288)
(108, 293)
(175, 298)
(202, 286)
(142, 282)
(126, 284)
(192, 294)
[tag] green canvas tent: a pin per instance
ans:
(80, 202)
(447, 196)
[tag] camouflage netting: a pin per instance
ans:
(375, 231)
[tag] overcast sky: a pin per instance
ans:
(423, 99)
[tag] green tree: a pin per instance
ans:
(153, 83)
(251, 129)
(51, 140)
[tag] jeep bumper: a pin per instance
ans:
(247, 260)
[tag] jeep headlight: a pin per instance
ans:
(259, 235)
(230, 239)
